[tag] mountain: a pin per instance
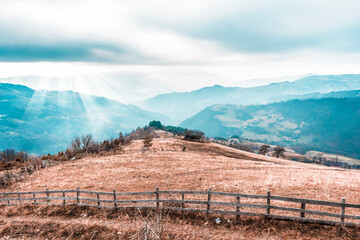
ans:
(327, 124)
(46, 121)
(180, 106)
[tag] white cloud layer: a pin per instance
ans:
(181, 44)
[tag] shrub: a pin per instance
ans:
(194, 135)
(147, 141)
(10, 155)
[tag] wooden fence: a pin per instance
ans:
(235, 205)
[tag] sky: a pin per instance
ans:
(143, 48)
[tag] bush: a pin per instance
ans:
(194, 135)
(147, 141)
(10, 155)
(86, 144)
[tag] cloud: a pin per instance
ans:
(162, 32)
(179, 45)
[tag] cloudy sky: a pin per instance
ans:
(154, 46)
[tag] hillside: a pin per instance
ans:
(45, 121)
(328, 124)
(167, 166)
(182, 105)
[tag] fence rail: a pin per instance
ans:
(113, 200)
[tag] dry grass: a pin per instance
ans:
(29, 222)
(201, 166)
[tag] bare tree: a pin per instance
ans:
(76, 145)
(86, 142)
(82, 144)
(8, 155)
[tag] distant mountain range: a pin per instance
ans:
(327, 124)
(324, 117)
(182, 105)
(46, 121)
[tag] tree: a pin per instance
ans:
(86, 141)
(279, 151)
(75, 145)
(264, 149)
(156, 125)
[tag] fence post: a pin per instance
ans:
(208, 201)
(157, 198)
(237, 208)
(7, 196)
(34, 196)
(98, 198)
(115, 205)
(77, 196)
(302, 214)
(343, 210)
(268, 202)
(47, 196)
(64, 197)
(19, 196)
(183, 199)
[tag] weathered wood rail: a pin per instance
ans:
(112, 200)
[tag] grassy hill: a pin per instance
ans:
(329, 124)
(182, 105)
(46, 121)
(167, 166)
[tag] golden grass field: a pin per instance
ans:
(199, 167)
